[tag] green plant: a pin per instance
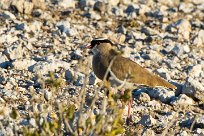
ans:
(78, 119)
(54, 82)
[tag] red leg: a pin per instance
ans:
(122, 92)
(129, 107)
(129, 111)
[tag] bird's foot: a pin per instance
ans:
(128, 120)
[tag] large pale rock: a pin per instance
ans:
(67, 3)
(162, 94)
(2, 76)
(43, 67)
(144, 9)
(8, 15)
(35, 26)
(65, 27)
(193, 89)
(28, 7)
(11, 83)
(167, 118)
(199, 40)
(154, 105)
(163, 72)
(4, 4)
(200, 121)
(78, 78)
(47, 95)
(4, 62)
(23, 6)
(41, 4)
(23, 64)
(32, 122)
(18, 4)
(8, 38)
(199, 132)
(186, 7)
(196, 1)
(155, 56)
(169, 2)
(182, 27)
(144, 97)
(5, 110)
(113, 2)
(182, 100)
(15, 51)
(196, 71)
(148, 132)
(178, 50)
(147, 120)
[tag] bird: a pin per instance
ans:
(122, 68)
(109, 65)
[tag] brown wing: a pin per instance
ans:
(123, 67)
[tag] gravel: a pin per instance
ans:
(42, 36)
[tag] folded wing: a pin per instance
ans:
(124, 68)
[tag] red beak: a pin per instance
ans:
(89, 46)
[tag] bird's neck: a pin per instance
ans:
(109, 54)
(102, 51)
(95, 51)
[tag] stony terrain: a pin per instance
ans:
(44, 64)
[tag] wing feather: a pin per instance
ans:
(124, 68)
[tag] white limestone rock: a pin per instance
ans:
(18, 4)
(15, 51)
(43, 67)
(155, 56)
(162, 94)
(8, 15)
(193, 89)
(154, 105)
(144, 97)
(67, 3)
(8, 38)
(196, 71)
(182, 100)
(200, 121)
(198, 132)
(147, 120)
(23, 64)
(199, 39)
(163, 72)
(5, 4)
(182, 27)
(32, 122)
(47, 94)
(4, 62)
(28, 7)
(23, 6)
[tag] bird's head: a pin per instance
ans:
(100, 45)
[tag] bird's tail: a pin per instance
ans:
(163, 83)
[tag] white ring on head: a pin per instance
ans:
(100, 39)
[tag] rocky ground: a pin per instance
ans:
(44, 64)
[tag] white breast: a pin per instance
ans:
(95, 50)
